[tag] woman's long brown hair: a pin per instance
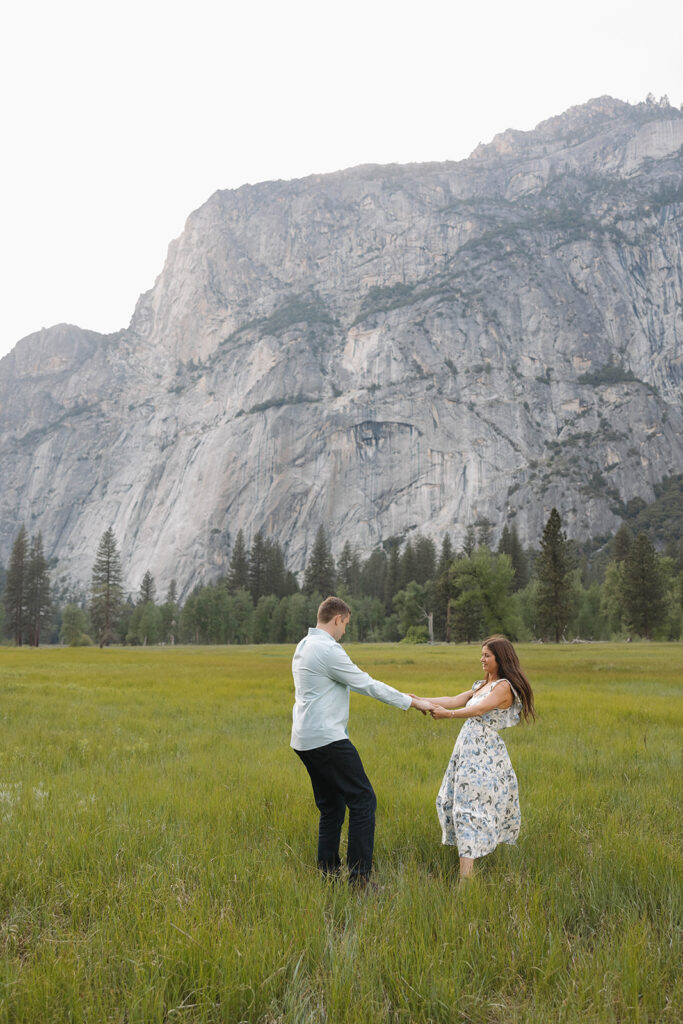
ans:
(510, 669)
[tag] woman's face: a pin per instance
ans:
(489, 663)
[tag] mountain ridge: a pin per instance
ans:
(379, 349)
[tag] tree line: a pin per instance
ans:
(410, 591)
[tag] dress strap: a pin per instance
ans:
(515, 695)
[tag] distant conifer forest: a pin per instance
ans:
(629, 585)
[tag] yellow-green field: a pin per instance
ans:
(158, 846)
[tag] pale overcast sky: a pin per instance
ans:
(118, 120)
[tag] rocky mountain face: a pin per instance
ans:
(383, 350)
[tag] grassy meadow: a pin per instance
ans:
(158, 846)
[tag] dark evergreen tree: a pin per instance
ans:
(15, 596)
(344, 565)
(258, 568)
(106, 602)
(425, 559)
(644, 601)
(470, 542)
(484, 533)
(349, 570)
(148, 590)
(510, 545)
(373, 575)
(408, 566)
(276, 574)
(238, 572)
(170, 614)
(553, 566)
(38, 596)
(446, 555)
(392, 579)
(319, 577)
(443, 592)
(291, 583)
(621, 543)
(467, 617)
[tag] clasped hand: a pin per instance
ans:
(428, 707)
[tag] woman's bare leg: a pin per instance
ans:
(466, 866)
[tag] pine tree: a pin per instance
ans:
(170, 614)
(238, 571)
(470, 542)
(445, 556)
(319, 577)
(443, 590)
(148, 590)
(38, 597)
(553, 566)
(467, 617)
(373, 575)
(15, 597)
(275, 572)
(258, 568)
(107, 592)
(344, 563)
(425, 559)
(509, 544)
(621, 543)
(392, 578)
(484, 533)
(644, 602)
(408, 566)
(349, 571)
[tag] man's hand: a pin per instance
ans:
(420, 703)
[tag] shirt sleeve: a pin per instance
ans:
(343, 671)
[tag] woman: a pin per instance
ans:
(478, 803)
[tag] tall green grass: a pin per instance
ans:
(158, 846)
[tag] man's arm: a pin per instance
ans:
(343, 670)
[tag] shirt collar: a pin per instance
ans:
(315, 631)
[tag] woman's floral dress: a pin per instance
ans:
(478, 803)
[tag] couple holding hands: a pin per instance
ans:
(478, 802)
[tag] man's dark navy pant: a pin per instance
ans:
(339, 781)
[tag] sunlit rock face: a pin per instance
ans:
(383, 350)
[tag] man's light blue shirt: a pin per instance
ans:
(324, 675)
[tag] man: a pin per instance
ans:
(323, 676)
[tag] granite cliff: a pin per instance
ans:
(384, 349)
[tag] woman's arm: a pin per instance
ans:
(499, 697)
(458, 701)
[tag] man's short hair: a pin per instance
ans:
(332, 606)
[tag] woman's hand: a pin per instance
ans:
(437, 711)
